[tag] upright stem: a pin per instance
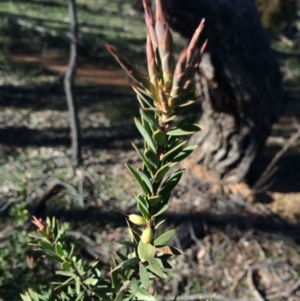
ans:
(69, 84)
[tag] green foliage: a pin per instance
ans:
(276, 13)
(163, 95)
(17, 263)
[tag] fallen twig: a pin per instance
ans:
(269, 171)
(252, 286)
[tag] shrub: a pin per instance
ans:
(162, 95)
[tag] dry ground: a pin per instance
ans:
(238, 250)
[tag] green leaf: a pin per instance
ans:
(142, 294)
(134, 234)
(138, 178)
(47, 246)
(153, 200)
(66, 265)
(165, 237)
(152, 158)
(134, 286)
(145, 134)
(59, 250)
(155, 267)
(66, 273)
(172, 151)
(77, 285)
(144, 276)
(145, 251)
(171, 182)
(115, 280)
(159, 137)
(131, 263)
(120, 296)
(183, 154)
(164, 264)
(145, 160)
(33, 295)
(26, 297)
(42, 233)
(159, 223)
(143, 98)
(53, 257)
(149, 116)
(142, 206)
(161, 172)
(121, 256)
(161, 210)
(145, 179)
(90, 281)
(184, 130)
(191, 119)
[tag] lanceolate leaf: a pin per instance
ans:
(144, 276)
(159, 223)
(131, 263)
(142, 206)
(183, 154)
(145, 179)
(145, 134)
(184, 130)
(171, 182)
(152, 158)
(164, 238)
(143, 98)
(161, 210)
(127, 264)
(155, 267)
(149, 116)
(188, 120)
(138, 179)
(145, 160)
(142, 294)
(134, 286)
(154, 200)
(172, 151)
(66, 273)
(161, 172)
(120, 296)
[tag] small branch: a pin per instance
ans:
(252, 287)
(69, 83)
(269, 170)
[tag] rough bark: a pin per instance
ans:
(239, 81)
(69, 84)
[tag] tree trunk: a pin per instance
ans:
(239, 81)
(69, 83)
